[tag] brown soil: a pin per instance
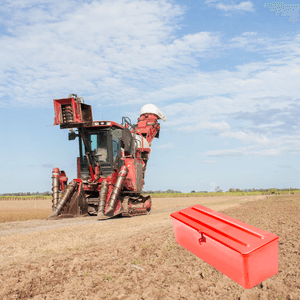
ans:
(138, 258)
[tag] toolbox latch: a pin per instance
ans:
(202, 238)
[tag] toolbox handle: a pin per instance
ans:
(202, 239)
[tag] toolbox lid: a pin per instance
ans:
(228, 231)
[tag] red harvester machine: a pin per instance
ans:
(111, 164)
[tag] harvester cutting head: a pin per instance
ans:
(111, 164)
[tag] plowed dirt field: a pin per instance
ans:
(138, 258)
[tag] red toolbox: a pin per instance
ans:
(244, 253)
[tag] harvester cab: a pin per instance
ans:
(111, 164)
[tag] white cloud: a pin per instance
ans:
(247, 137)
(253, 88)
(249, 33)
(205, 125)
(269, 147)
(107, 46)
(198, 42)
(244, 151)
(247, 85)
(243, 6)
(124, 52)
(269, 126)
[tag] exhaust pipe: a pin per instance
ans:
(103, 195)
(65, 197)
(116, 191)
(55, 187)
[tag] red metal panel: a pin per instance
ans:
(130, 182)
(246, 254)
(78, 167)
(148, 125)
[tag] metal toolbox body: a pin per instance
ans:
(246, 254)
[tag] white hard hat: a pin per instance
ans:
(152, 109)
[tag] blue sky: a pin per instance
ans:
(225, 74)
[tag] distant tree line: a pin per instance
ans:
(169, 191)
(218, 190)
(270, 190)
